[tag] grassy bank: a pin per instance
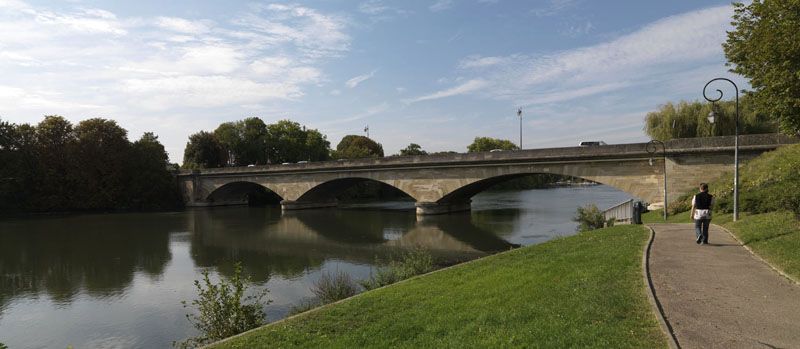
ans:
(774, 236)
(580, 291)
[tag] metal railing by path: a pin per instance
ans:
(622, 212)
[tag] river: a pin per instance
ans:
(117, 280)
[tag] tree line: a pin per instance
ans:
(57, 166)
(764, 47)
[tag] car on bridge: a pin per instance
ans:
(592, 143)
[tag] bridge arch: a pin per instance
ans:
(242, 192)
(466, 192)
(328, 191)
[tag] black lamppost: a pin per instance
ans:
(711, 117)
(519, 113)
(651, 149)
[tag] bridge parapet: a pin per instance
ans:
(444, 183)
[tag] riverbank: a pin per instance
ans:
(580, 291)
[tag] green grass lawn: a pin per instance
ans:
(580, 291)
(774, 236)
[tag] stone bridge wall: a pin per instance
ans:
(445, 183)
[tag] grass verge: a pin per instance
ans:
(774, 236)
(580, 291)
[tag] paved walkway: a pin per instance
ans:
(719, 295)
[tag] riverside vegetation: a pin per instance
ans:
(223, 309)
(579, 291)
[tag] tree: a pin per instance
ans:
(689, 119)
(100, 165)
(488, 144)
(413, 149)
(244, 141)
(54, 147)
(765, 47)
(204, 151)
(152, 185)
(291, 142)
(317, 145)
(356, 147)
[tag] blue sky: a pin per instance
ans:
(433, 72)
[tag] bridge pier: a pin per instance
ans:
(288, 205)
(428, 208)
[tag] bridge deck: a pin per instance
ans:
(563, 154)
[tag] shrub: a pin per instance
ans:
(333, 287)
(223, 309)
(303, 307)
(414, 262)
(589, 217)
(3, 346)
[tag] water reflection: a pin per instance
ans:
(267, 243)
(59, 257)
(99, 254)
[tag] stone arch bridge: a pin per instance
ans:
(445, 183)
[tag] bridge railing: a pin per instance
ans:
(622, 212)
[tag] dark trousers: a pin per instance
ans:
(701, 229)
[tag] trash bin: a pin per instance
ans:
(638, 208)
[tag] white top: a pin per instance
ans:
(700, 214)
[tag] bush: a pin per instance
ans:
(3, 346)
(414, 262)
(333, 287)
(223, 309)
(589, 217)
(303, 307)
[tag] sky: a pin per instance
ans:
(433, 72)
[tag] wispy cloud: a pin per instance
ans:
(664, 45)
(378, 8)
(369, 111)
(441, 5)
(554, 7)
(467, 87)
(355, 81)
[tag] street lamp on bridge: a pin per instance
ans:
(651, 149)
(711, 119)
(519, 113)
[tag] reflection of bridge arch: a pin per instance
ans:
(444, 183)
(308, 238)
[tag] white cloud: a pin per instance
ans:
(467, 87)
(353, 82)
(566, 95)
(480, 62)
(204, 91)
(183, 25)
(441, 5)
(631, 59)
(314, 33)
(171, 71)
